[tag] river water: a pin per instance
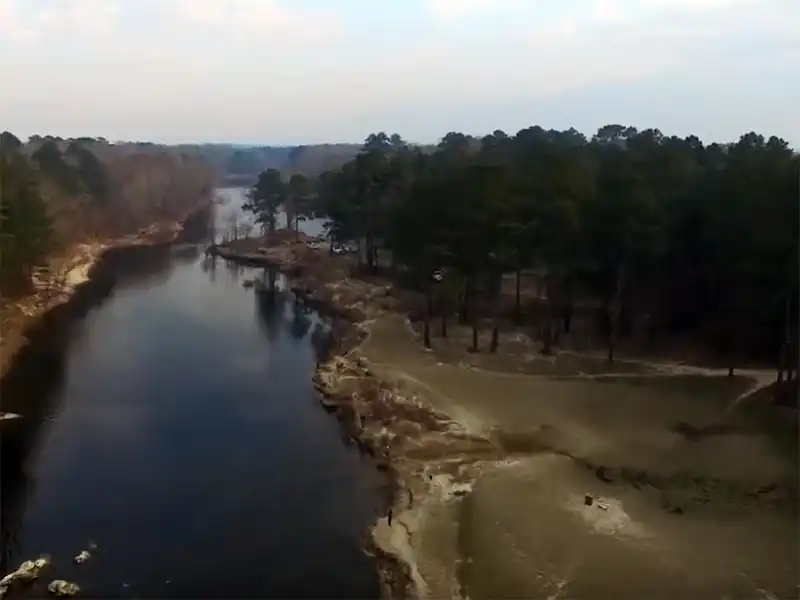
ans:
(175, 425)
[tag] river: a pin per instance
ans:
(175, 426)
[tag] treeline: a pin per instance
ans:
(665, 231)
(240, 165)
(55, 192)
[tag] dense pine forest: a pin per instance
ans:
(55, 193)
(665, 235)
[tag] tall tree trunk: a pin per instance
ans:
(443, 306)
(517, 290)
(783, 357)
(370, 255)
(547, 335)
(495, 327)
(428, 309)
(568, 307)
(474, 315)
(464, 309)
(792, 360)
(547, 331)
(615, 309)
(497, 293)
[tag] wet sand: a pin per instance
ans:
(656, 482)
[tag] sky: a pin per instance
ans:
(306, 71)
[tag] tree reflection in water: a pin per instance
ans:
(271, 298)
(274, 300)
(30, 387)
(209, 265)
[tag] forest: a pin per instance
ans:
(55, 193)
(239, 165)
(669, 235)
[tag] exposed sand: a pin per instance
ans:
(672, 515)
(654, 481)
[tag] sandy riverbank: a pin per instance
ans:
(522, 476)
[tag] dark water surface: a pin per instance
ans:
(179, 431)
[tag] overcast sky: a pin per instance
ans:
(303, 71)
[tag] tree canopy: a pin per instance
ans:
(57, 192)
(697, 238)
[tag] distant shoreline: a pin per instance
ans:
(84, 260)
(232, 181)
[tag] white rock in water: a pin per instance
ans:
(82, 557)
(9, 415)
(27, 571)
(3, 590)
(59, 587)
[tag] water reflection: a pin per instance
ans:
(209, 265)
(161, 423)
(28, 388)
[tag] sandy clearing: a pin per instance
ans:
(711, 516)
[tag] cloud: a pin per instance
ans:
(34, 20)
(115, 23)
(456, 9)
(11, 27)
(313, 69)
(261, 18)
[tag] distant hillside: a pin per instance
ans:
(239, 165)
(233, 164)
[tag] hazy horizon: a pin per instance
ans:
(279, 73)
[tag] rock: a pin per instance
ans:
(3, 590)
(82, 556)
(27, 571)
(587, 499)
(8, 415)
(62, 588)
